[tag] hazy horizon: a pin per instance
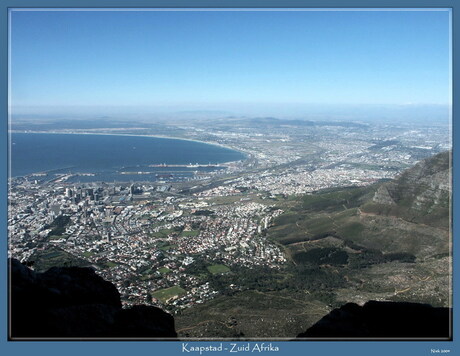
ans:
(370, 113)
(294, 64)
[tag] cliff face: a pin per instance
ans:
(412, 212)
(420, 194)
(383, 320)
(76, 302)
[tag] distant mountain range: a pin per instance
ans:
(275, 122)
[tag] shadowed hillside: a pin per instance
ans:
(383, 320)
(75, 302)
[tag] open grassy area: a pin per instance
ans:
(164, 270)
(167, 293)
(147, 271)
(217, 269)
(162, 233)
(55, 257)
(191, 233)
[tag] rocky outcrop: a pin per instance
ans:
(75, 302)
(383, 196)
(421, 194)
(425, 184)
(383, 320)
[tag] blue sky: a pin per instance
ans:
(228, 59)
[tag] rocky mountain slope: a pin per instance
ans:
(409, 214)
(420, 194)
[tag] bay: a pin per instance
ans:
(106, 156)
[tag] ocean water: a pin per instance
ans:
(107, 156)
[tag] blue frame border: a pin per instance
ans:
(375, 348)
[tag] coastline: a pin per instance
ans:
(132, 135)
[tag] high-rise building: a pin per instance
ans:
(68, 193)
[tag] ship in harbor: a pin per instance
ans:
(190, 165)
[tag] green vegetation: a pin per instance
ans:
(337, 199)
(164, 270)
(110, 264)
(320, 256)
(284, 314)
(204, 212)
(146, 274)
(329, 213)
(218, 269)
(352, 229)
(399, 256)
(55, 257)
(428, 215)
(165, 294)
(265, 279)
(167, 247)
(326, 297)
(191, 233)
